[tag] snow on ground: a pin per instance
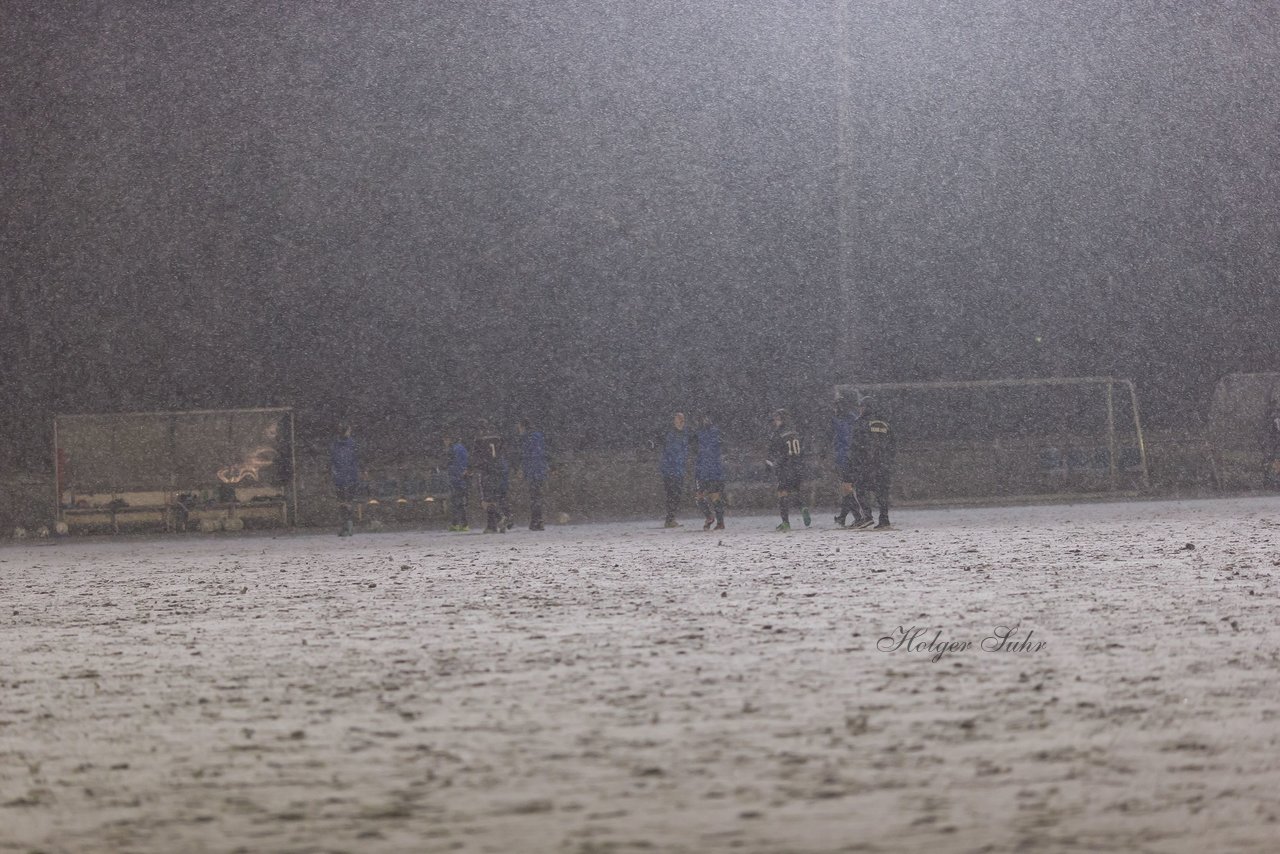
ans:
(618, 687)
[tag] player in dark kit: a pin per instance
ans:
(871, 457)
(786, 460)
(489, 461)
(708, 473)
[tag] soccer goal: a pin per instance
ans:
(1014, 439)
(1243, 432)
(209, 469)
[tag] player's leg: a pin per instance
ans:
(862, 509)
(784, 509)
(458, 506)
(882, 497)
(535, 505)
(673, 486)
(858, 503)
(504, 508)
(846, 502)
(346, 513)
(855, 483)
(717, 503)
(489, 502)
(700, 498)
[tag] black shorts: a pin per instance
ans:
(710, 487)
(790, 481)
(491, 487)
(346, 491)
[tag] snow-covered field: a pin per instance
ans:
(619, 687)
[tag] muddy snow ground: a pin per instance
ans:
(619, 687)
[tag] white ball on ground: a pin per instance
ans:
(43, 532)
(62, 529)
(233, 524)
(563, 518)
(19, 533)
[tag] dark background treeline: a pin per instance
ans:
(409, 213)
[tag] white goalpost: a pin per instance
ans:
(1024, 439)
(1242, 432)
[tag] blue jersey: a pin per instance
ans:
(675, 453)
(533, 456)
(344, 462)
(457, 464)
(842, 430)
(708, 467)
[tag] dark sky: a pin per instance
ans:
(594, 211)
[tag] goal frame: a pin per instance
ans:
(1108, 386)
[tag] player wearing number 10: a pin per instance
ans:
(785, 459)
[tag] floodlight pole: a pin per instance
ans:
(1111, 433)
(845, 342)
(57, 477)
(293, 471)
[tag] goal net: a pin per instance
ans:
(1015, 439)
(1242, 431)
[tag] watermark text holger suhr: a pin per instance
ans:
(929, 641)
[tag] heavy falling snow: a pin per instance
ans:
(621, 688)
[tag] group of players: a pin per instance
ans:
(864, 446)
(864, 443)
(489, 464)
(486, 461)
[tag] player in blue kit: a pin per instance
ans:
(675, 456)
(344, 468)
(457, 463)
(534, 468)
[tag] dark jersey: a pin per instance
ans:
(488, 455)
(533, 456)
(344, 462)
(458, 462)
(874, 444)
(785, 452)
(708, 460)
